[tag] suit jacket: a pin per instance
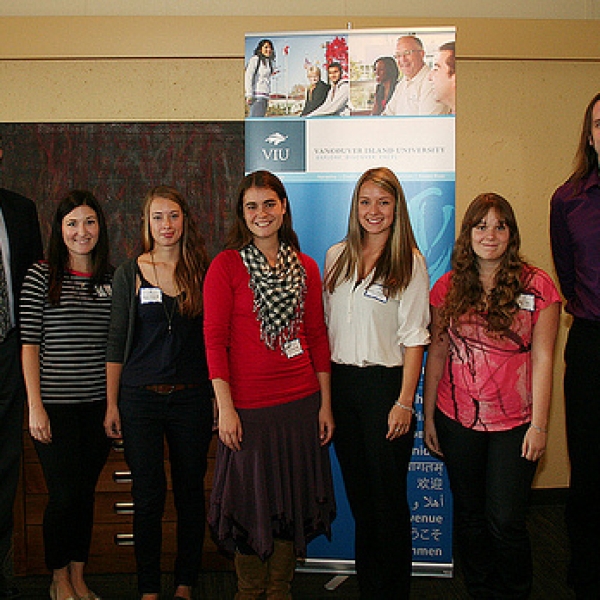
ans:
(24, 238)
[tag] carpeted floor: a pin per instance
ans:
(550, 562)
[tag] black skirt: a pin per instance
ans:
(278, 485)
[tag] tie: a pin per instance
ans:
(4, 303)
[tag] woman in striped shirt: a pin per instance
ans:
(65, 313)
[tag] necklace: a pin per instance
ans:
(168, 315)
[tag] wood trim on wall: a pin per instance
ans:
(71, 38)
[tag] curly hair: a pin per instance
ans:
(466, 291)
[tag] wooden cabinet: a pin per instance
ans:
(112, 542)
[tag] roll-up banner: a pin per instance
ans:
(322, 108)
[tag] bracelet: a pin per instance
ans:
(538, 429)
(410, 408)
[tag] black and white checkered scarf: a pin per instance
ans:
(279, 293)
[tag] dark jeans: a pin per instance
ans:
(12, 399)
(185, 419)
(259, 107)
(374, 472)
(72, 463)
(490, 484)
(582, 403)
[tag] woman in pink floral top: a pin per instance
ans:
(488, 385)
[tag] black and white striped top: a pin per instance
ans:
(72, 335)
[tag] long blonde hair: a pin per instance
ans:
(193, 257)
(394, 266)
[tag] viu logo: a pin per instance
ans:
(276, 154)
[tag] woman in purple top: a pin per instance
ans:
(575, 236)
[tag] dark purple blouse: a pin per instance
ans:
(575, 237)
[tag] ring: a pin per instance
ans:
(397, 429)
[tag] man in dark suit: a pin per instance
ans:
(20, 246)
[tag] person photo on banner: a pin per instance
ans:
(443, 76)
(575, 237)
(268, 357)
(488, 385)
(376, 307)
(386, 78)
(257, 78)
(316, 92)
(414, 93)
(336, 101)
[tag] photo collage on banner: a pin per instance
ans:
(322, 108)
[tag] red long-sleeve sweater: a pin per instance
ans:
(257, 375)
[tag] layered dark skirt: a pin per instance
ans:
(278, 485)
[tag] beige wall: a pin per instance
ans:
(523, 86)
(508, 9)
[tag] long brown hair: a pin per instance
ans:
(466, 292)
(395, 264)
(193, 257)
(239, 235)
(586, 158)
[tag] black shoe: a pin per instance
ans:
(10, 592)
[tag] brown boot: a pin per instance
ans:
(282, 564)
(251, 574)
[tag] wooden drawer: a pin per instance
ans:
(112, 518)
(109, 508)
(30, 455)
(112, 552)
(115, 476)
(106, 555)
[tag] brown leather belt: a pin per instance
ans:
(164, 389)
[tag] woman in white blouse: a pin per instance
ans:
(376, 302)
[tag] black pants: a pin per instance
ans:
(490, 483)
(374, 471)
(582, 404)
(185, 418)
(72, 463)
(12, 400)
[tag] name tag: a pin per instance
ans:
(104, 290)
(526, 302)
(292, 348)
(377, 292)
(150, 295)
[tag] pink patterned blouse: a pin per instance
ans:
(487, 380)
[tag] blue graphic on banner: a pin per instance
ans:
(430, 502)
(320, 204)
(320, 216)
(319, 156)
(277, 145)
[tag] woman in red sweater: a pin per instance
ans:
(268, 358)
